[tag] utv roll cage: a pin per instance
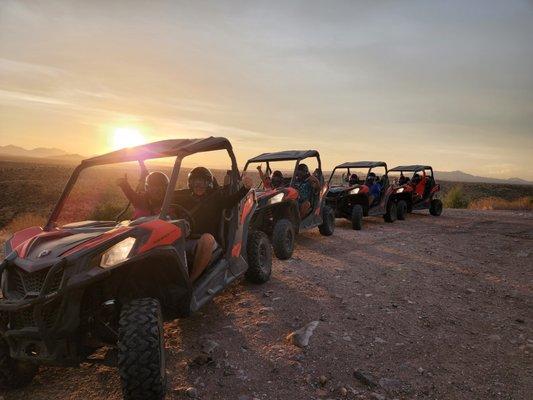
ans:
(288, 155)
(359, 164)
(412, 168)
(179, 148)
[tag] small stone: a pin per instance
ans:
(469, 290)
(192, 393)
(365, 378)
(322, 380)
(379, 340)
(390, 385)
(495, 338)
(209, 346)
(377, 396)
(421, 370)
(265, 310)
(343, 391)
(301, 337)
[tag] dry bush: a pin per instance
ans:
(495, 203)
(455, 198)
(23, 221)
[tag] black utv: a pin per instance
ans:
(360, 189)
(68, 289)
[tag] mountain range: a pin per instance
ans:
(11, 151)
(51, 154)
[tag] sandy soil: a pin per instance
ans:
(428, 308)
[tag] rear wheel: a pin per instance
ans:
(357, 217)
(435, 208)
(141, 351)
(14, 374)
(328, 222)
(283, 239)
(392, 212)
(401, 210)
(259, 258)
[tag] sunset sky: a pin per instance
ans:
(448, 83)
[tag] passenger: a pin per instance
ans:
(149, 201)
(307, 185)
(416, 179)
(273, 182)
(354, 180)
(374, 187)
(206, 204)
(403, 180)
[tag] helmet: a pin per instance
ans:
(302, 172)
(354, 179)
(202, 175)
(155, 179)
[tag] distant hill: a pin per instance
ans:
(460, 176)
(12, 152)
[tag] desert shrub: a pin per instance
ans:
(108, 211)
(23, 221)
(455, 198)
(495, 203)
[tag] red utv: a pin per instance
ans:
(415, 185)
(277, 213)
(360, 189)
(67, 290)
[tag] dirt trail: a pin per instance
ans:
(428, 308)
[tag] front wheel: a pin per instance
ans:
(328, 222)
(259, 258)
(141, 350)
(283, 239)
(401, 210)
(14, 374)
(392, 212)
(357, 217)
(435, 207)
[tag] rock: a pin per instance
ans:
(469, 290)
(343, 391)
(301, 337)
(365, 378)
(377, 396)
(265, 310)
(390, 385)
(347, 338)
(323, 380)
(200, 359)
(495, 338)
(379, 340)
(209, 346)
(192, 393)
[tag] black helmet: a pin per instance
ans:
(156, 178)
(201, 174)
(302, 172)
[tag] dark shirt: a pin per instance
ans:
(207, 209)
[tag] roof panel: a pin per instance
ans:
(362, 164)
(284, 155)
(163, 148)
(414, 167)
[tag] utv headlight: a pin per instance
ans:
(400, 190)
(118, 253)
(276, 199)
(354, 191)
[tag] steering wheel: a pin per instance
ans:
(185, 214)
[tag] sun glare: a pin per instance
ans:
(127, 137)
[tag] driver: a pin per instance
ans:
(307, 185)
(149, 201)
(206, 204)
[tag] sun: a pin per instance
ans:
(127, 137)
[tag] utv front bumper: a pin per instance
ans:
(40, 318)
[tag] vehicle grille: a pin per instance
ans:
(20, 282)
(25, 318)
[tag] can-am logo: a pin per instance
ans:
(44, 253)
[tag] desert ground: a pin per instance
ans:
(427, 308)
